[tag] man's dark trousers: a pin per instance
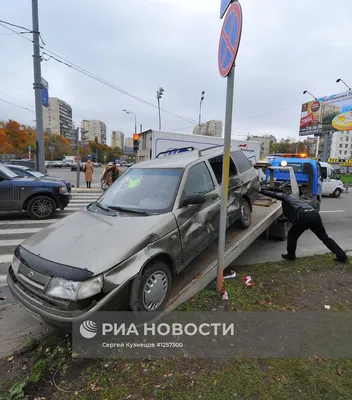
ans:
(311, 220)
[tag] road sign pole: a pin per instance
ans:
(78, 160)
(225, 177)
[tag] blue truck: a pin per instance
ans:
(308, 174)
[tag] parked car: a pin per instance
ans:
(74, 167)
(50, 164)
(40, 197)
(25, 163)
(169, 211)
(25, 171)
(67, 163)
(58, 164)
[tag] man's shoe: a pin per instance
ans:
(288, 258)
(344, 261)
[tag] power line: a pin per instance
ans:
(69, 64)
(22, 99)
(269, 113)
(16, 105)
(17, 26)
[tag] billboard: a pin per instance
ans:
(327, 114)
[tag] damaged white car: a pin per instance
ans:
(124, 249)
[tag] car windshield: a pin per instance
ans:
(145, 190)
(6, 171)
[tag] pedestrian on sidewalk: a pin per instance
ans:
(88, 171)
(107, 177)
(303, 217)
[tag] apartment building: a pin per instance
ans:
(129, 142)
(92, 129)
(341, 145)
(57, 118)
(265, 141)
(209, 128)
(117, 139)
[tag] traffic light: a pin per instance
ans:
(136, 142)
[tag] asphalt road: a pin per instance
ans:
(17, 325)
(72, 176)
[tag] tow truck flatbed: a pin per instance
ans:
(203, 269)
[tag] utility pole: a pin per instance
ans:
(159, 95)
(200, 111)
(78, 158)
(37, 86)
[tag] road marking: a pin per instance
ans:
(332, 211)
(28, 221)
(19, 231)
(72, 209)
(6, 258)
(77, 204)
(12, 242)
(81, 200)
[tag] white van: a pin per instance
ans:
(332, 186)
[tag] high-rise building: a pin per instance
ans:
(129, 142)
(57, 118)
(92, 129)
(117, 139)
(341, 145)
(209, 128)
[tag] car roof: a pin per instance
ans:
(180, 160)
(17, 166)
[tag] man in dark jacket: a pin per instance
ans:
(303, 216)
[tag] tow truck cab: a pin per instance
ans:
(308, 174)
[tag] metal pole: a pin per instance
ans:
(159, 114)
(317, 147)
(78, 160)
(135, 123)
(326, 147)
(37, 85)
(225, 178)
(140, 128)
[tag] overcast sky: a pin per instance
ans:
(139, 45)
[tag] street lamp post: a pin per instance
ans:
(135, 119)
(200, 111)
(340, 80)
(159, 95)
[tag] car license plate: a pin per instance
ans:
(35, 315)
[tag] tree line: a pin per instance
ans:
(15, 140)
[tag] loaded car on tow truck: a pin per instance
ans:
(169, 210)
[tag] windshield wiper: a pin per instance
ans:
(107, 209)
(117, 208)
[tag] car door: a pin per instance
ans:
(6, 194)
(197, 223)
(328, 184)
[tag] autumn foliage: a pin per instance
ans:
(15, 139)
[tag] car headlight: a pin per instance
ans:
(283, 163)
(72, 290)
(15, 264)
(63, 189)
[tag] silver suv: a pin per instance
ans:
(125, 248)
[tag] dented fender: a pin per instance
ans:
(169, 246)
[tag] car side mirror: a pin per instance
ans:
(196, 198)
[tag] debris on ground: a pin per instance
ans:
(233, 275)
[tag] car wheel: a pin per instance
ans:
(337, 193)
(152, 291)
(245, 214)
(41, 207)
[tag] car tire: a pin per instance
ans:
(41, 207)
(337, 193)
(245, 214)
(157, 276)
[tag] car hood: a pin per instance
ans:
(34, 181)
(55, 179)
(97, 242)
